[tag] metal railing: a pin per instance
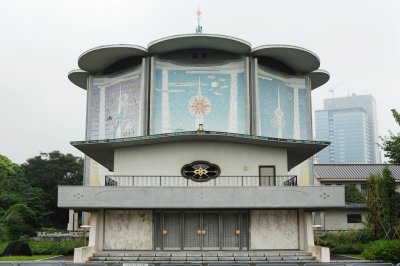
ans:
(179, 181)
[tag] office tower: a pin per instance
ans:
(350, 124)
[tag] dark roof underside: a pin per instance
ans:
(328, 172)
(102, 151)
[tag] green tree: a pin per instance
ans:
(19, 221)
(353, 195)
(388, 202)
(15, 189)
(47, 171)
(391, 144)
(382, 205)
(373, 204)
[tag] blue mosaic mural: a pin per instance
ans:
(185, 96)
(282, 105)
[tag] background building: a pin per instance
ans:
(350, 124)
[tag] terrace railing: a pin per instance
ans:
(179, 181)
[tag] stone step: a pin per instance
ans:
(204, 257)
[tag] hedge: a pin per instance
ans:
(384, 250)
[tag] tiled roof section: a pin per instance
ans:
(326, 172)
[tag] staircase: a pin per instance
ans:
(203, 257)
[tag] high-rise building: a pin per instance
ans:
(350, 124)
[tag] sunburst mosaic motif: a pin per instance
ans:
(199, 106)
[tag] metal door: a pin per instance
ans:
(230, 231)
(172, 231)
(210, 231)
(192, 231)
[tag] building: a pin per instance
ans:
(349, 144)
(199, 143)
(351, 216)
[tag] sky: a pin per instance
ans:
(358, 42)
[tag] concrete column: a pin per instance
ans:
(76, 224)
(70, 226)
(96, 230)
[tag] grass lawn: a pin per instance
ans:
(20, 258)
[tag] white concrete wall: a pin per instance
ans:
(274, 229)
(168, 158)
(337, 219)
(128, 230)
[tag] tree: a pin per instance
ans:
(353, 195)
(381, 204)
(373, 204)
(47, 171)
(391, 144)
(15, 189)
(388, 202)
(19, 221)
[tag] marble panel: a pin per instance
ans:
(274, 229)
(128, 230)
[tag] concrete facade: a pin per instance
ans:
(234, 159)
(338, 219)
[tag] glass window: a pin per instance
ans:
(353, 218)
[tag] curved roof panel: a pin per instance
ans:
(299, 59)
(99, 58)
(202, 41)
(79, 78)
(318, 78)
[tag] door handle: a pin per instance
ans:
(203, 232)
(199, 232)
(165, 232)
(237, 232)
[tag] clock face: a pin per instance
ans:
(200, 171)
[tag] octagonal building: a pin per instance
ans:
(197, 146)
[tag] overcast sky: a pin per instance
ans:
(358, 42)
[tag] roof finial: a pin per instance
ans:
(199, 29)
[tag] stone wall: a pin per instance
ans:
(128, 230)
(274, 229)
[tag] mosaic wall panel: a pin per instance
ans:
(282, 105)
(115, 106)
(115, 110)
(185, 96)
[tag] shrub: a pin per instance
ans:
(354, 236)
(385, 250)
(348, 248)
(55, 247)
(18, 221)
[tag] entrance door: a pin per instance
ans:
(192, 231)
(195, 230)
(171, 231)
(210, 231)
(231, 231)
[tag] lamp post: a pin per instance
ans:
(85, 227)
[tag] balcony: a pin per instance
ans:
(179, 181)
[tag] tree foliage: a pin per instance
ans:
(15, 189)
(353, 195)
(48, 170)
(391, 144)
(19, 220)
(381, 204)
